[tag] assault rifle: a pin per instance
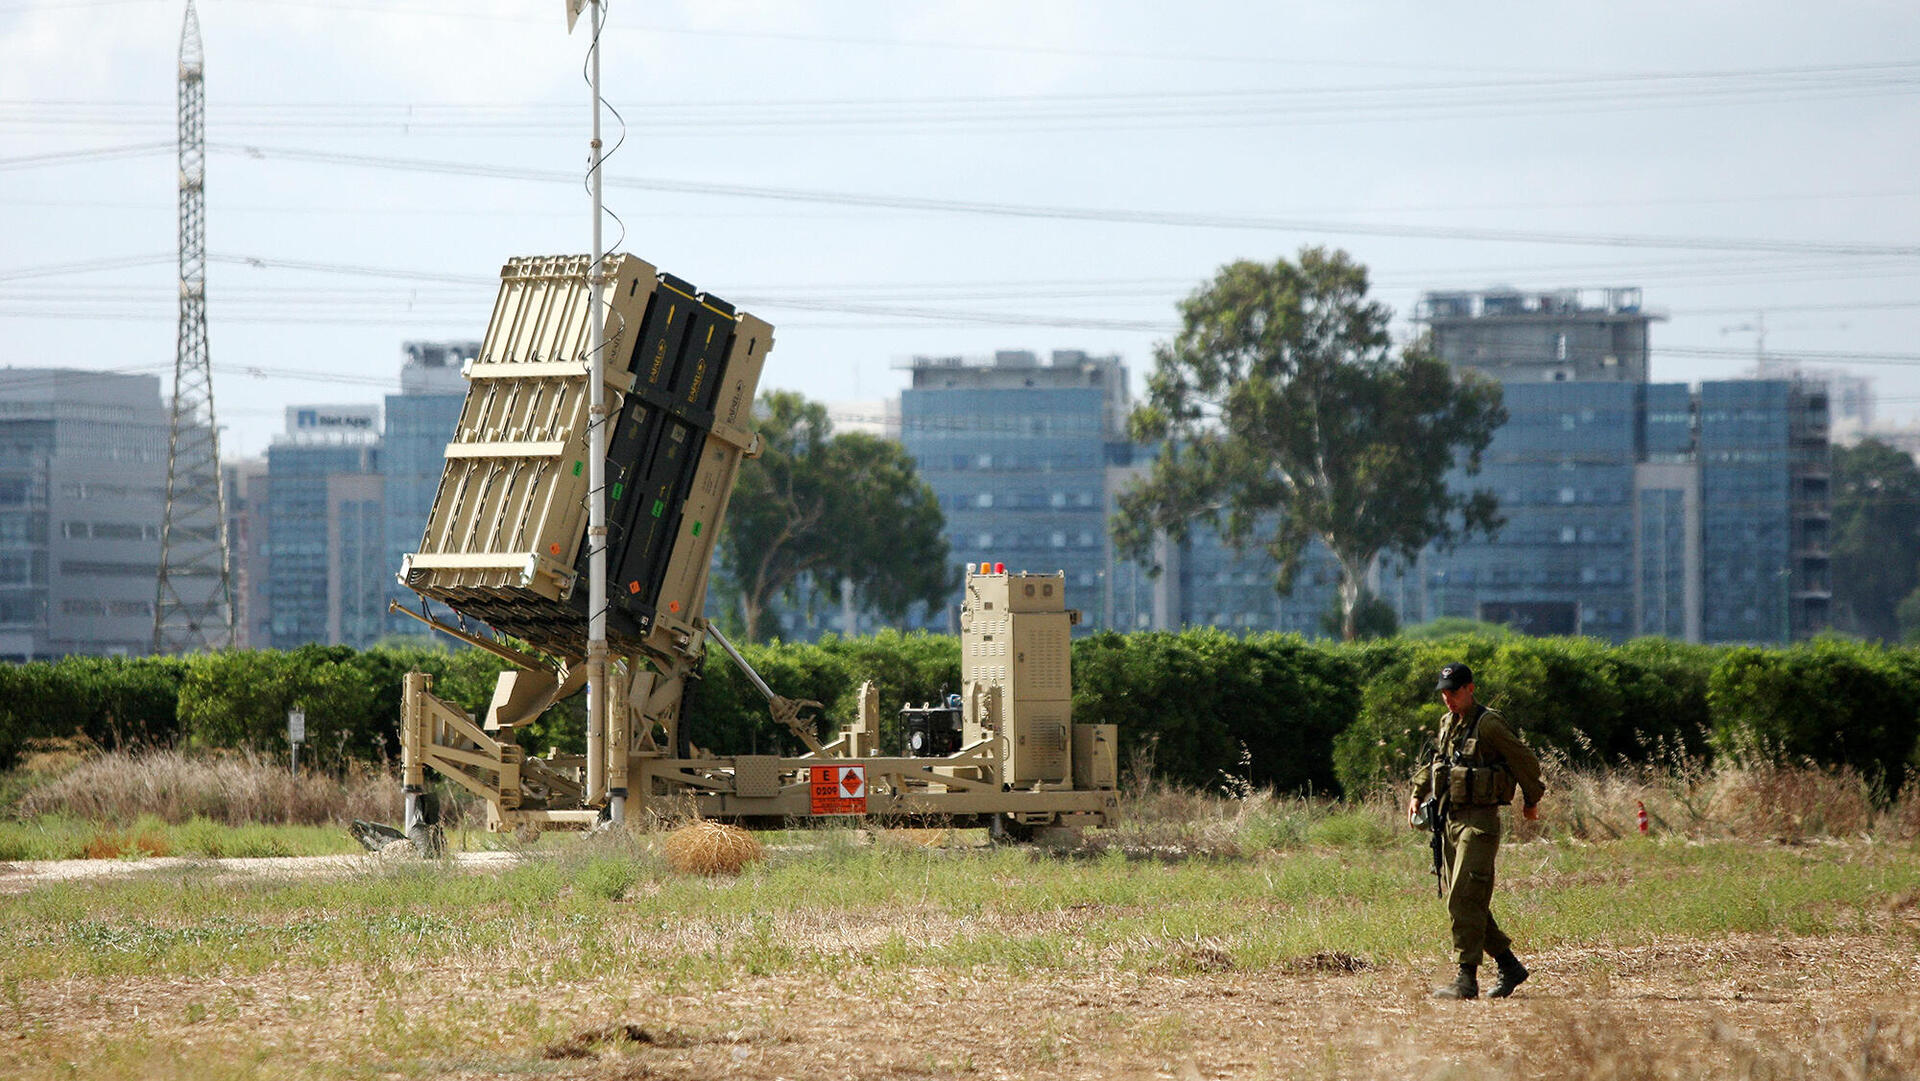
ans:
(1436, 821)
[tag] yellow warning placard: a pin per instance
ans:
(840, 790)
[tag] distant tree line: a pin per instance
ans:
(1193, 707)
(824, 508)
(1876, 542)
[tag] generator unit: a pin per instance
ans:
(504, 545)
(933, 730)
(1015, 634)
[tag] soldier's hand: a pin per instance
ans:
(1413, 812)
(1531, 812)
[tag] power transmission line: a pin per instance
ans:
(1284, 107)
(104, 153)
(1718, 268)
(86, 266)
(1090, 214)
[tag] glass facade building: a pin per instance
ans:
(325, 544)
(1763, 478)
(1563, 470)
(1019, 453)
(345, 494)
(1028, 460)
(1632, 508)
(83, 479)
(420, 422)
(1221, 586)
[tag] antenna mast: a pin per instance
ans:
(193, 598)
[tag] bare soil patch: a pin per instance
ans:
(1737, 1007)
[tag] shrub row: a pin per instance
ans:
(1203, 706)
(234, 698)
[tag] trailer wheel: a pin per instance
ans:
(1007, 828)
(1006, 831)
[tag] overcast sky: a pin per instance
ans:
(880, 179)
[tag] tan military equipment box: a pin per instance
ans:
(1015, 673)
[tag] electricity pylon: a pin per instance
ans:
(193, 599)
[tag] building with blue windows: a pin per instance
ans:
(1207, 582)
(1028, 460)
(1764, 475)
(344, 494)
(324, 549)
(1632, 508)
(83, 487)
(421, 421)
(1020, 454)
(1563, 469)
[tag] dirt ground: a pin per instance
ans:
(1736, 1007)
(1743, 1007)
(25, 875)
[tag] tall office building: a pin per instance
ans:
(1210, 583)
(1764, 475)
(1564, 469)
(83, 475)
(1029, 460)
(421, 421)
(1018, 453)
(325, 541)
(1667, 556)
(1632, 508)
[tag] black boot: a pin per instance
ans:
(1465, 985)
(1512, 975)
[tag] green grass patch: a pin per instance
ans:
(602, 906)
(58, 837)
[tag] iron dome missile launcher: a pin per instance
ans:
(504, 544)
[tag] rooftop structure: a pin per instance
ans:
(1556, 336)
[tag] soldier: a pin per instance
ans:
(1477, 763)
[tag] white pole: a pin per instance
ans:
(596, 467)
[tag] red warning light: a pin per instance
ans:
(999, 568)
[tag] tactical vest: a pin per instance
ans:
(1467, 776)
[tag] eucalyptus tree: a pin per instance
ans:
(1284, 415)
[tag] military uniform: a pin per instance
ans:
(1477, 765)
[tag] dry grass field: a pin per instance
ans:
(1744, 1006)
(1767, 927)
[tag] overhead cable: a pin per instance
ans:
(1090, 214)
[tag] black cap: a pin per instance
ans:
(1453, 677)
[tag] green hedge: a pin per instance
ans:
(114, 701)
(1828, 702)
(1206, 707)
(1202, 706)
(1588, 701)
